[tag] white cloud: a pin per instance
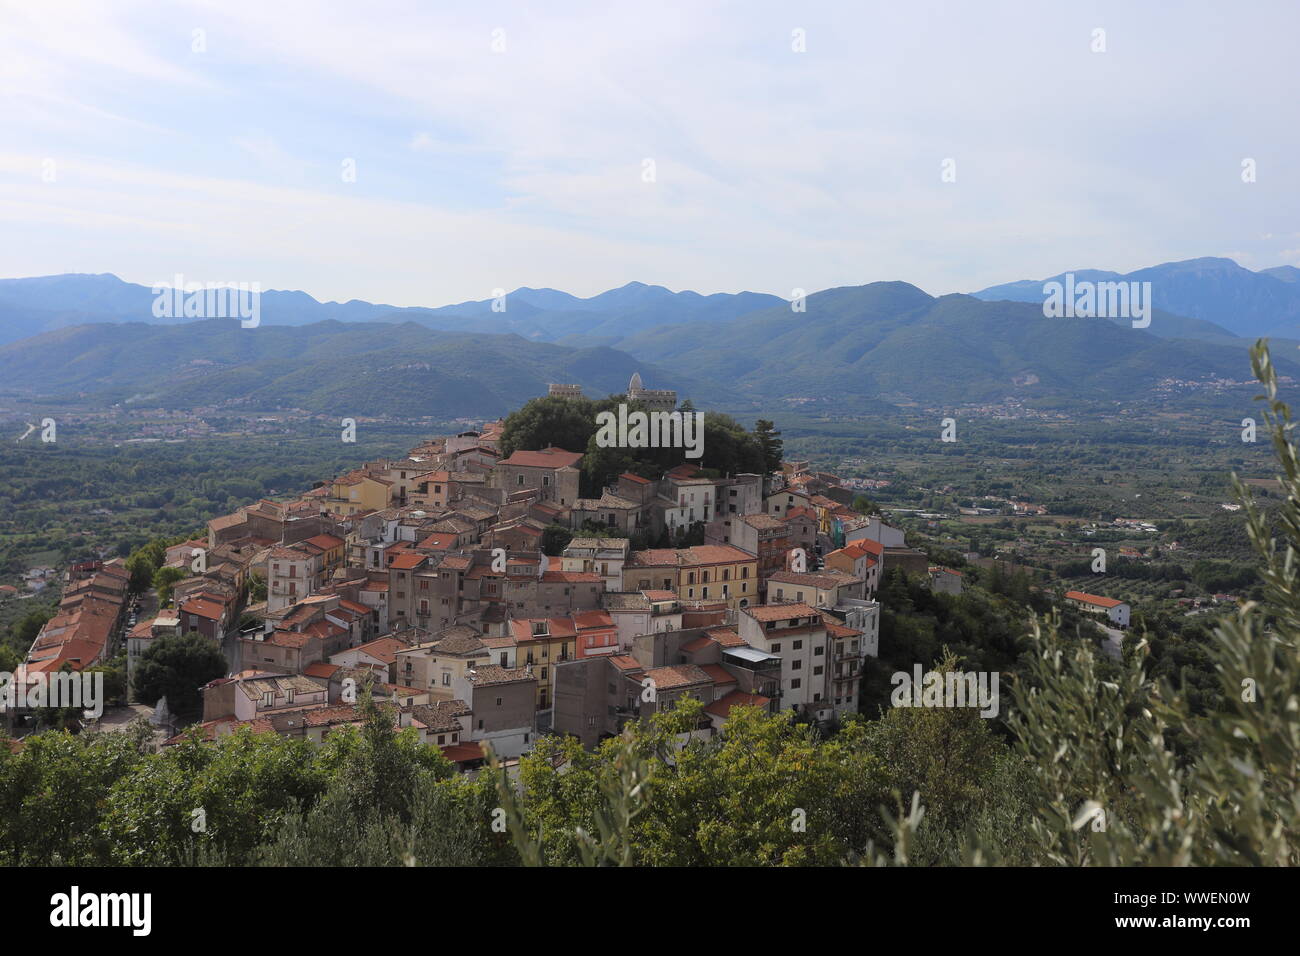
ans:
(774, 169)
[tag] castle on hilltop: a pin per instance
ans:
(655, 399)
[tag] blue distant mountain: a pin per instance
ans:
(45, 303)
(1235, 300)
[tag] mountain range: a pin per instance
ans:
(1234, 300)
(326, 367)
(45, 303)
(856, 349)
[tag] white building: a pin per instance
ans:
(1117, 612)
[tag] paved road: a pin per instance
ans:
(1114, 641)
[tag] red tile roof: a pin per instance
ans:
(546, 458)
(718, 673)
(780, 612)
(201, 608)
(1093, 599)
(722, 708)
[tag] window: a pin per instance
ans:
(795, 684)
(797, 646)
(776, 648)
(796, 665)
(818, 669)
(498, 701)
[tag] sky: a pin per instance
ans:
(433, 152)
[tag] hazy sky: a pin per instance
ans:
(481, 168)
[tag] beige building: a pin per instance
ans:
(443, 666)
(821, 589)
(603, 556)
(553, 472)
(707, 572)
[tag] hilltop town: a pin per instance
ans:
(425, 581)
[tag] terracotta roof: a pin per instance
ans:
(571, 577)
(722, 708)
(488, 674)
(546, 458)
(463, 753)
(441, 715)
(460, 639)
(839, 630)
(1093, 599)
(201, 608)
(283, 638)
(823, 580)
(864, 546)
(677, 675)
(689, 557)
(591, 620)
(726, 636)
(718, 673)
(606, 500)
(381, 649)
(780, 612)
